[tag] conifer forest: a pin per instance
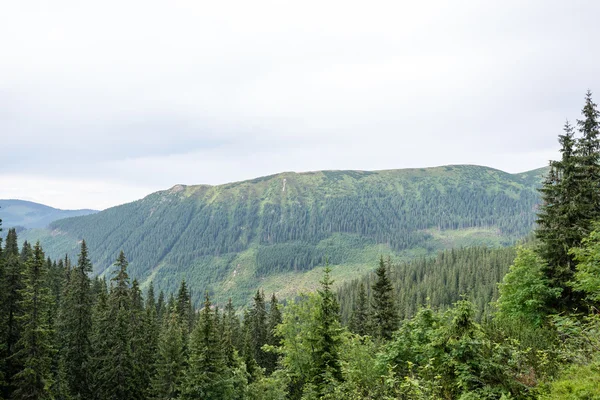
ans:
(518, 318)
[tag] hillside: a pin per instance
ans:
(273, 231)
(27, 214)
(439, 281)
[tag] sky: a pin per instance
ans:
(104, 102)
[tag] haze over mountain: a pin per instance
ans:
(27, 214)
(276, 229)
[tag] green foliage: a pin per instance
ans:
(242, 232)
(525, 292)
(170, 360)
(359, 320)
(579, 382)
(384, 311)
(587, 257)
(439, 281)
(273, 320)
(76, 327)
(35, 349)
(207, 376)
(326, 368)
(571, 203)
(258, 329)
(11, 311)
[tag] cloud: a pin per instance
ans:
(149, 94)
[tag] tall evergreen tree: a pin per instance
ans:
(76, 327)
(3, 292)
(150, 333)
(170, 361)
(117, 374)
(274, 318)
(359, 323)
(385, 315)
(207, 376)
(11, 310)
(161, 306)
(230, 334)
(184, 306)
(571, 201)
(35, 349)
(327, 340)
(588, 151)
(258, 329)
(101, 345)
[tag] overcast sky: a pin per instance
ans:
(103, 102)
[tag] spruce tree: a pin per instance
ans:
(207, 376)
(101, 345)
(248, 349)
(3, 291)
(274, 318)
(385, 316)
(151, 332)
(184, 306)
(76, 327)
(327, 339)
(230, 334)
(26, 252)
(35, 349)
(142, 356)
(570, 202)
(588, 151)
(170, 360)
(161, 306)
(11, 310)
(117, 374)
(359, 323)
(258, 329)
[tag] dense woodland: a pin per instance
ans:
(438, 281)
(202, 233)
(66, 335)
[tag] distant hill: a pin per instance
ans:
(27, 214)
(277, 231)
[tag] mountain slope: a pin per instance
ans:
(273, 231)
(28, 214)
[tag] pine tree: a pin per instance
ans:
(3, 292)
(258, 329)
(230, 334)
(248, 349)
(385, 316)
(76, 327)
(11, 310)
(151, 332)
(170, 360)
(207, 376)
(326, 360)
(274, 318)
(35, 349)
(359, 321)
(101, 345)
(588, 151)
(184, 307)
(161, 306)
(571, 201)
(117, 373)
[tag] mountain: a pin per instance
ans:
(277, 231)
(27, 214)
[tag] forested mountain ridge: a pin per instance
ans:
(27, 214)
(273, 229)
